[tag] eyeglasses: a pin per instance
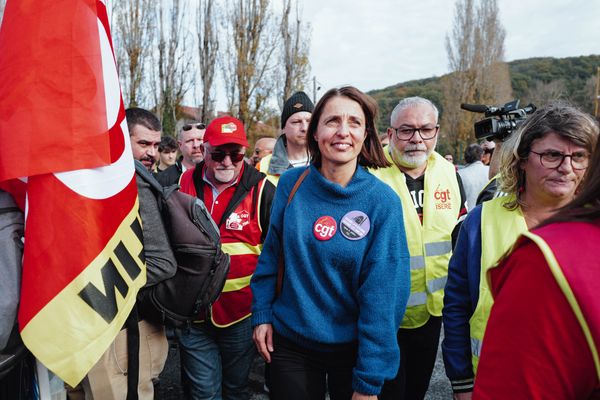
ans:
(554, 159)
(187, 127)
(426, 132)
(220, 155)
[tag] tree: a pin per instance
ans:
(459, 86)
(208, 47)
(174, 62)
(492, 75)
(135, 28)
(248, 65)
(294, 52)
(478, 73)
(543, 92)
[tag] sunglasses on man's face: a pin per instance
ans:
(190, 126)
(219, 156)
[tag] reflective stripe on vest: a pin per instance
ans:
(420, 298)
(232, 285)
(476, 348)
(438, 249)
(240, 248)
(244, 247)
(500, 229)
(565, 287)
(417, 262)
(429, 243)
(417, 299)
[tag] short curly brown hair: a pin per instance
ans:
(558, 117)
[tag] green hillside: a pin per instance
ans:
(534, 80)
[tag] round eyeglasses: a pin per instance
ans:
(554, 159)
(406, 133)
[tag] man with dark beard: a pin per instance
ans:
(144, 133)
(433, 199)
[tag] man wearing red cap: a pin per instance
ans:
(217, 351)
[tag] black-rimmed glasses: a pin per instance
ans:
(406, 133)
(554, 159)
(219, 156)
(187, 127)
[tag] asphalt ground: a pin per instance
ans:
(169, 387)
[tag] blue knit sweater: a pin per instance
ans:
(337, 291)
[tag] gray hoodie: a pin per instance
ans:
(11, 255)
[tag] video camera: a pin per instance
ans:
(499, 122)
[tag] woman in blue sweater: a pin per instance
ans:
(346, 279)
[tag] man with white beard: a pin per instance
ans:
(217, 350)
(433, 199)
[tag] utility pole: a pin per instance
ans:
(597, 91)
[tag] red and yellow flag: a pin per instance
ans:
(67, 158)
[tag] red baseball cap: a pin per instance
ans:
(225, 130)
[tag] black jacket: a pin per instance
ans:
(171, 175)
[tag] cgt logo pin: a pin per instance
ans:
(325, 228)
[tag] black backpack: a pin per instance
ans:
(202, 266)
(17, 366)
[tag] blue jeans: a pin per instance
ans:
(216, 361)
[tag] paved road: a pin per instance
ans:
(169, 387)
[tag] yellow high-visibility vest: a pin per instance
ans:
(264, 167)
(500, 229)
(430, 243)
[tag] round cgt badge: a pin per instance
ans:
(355, 225)
(325, 228)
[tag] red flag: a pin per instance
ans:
(51, 70)
(63, 132)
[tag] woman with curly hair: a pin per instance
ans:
(542, 165)
(548, 349)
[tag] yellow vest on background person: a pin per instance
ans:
(500, 229)
(264, 168)
(430, 243)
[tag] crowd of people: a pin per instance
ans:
(348, 256)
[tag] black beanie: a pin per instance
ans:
(299, 101)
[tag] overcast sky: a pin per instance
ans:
(372, 44)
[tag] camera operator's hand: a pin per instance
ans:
(495, 160)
